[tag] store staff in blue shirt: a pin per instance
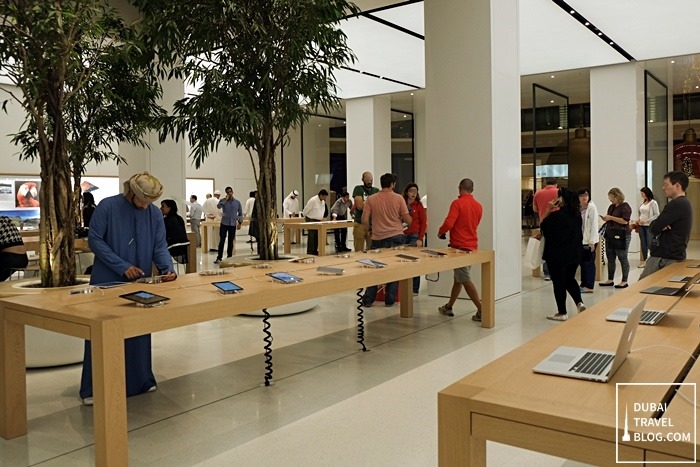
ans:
(230, 222)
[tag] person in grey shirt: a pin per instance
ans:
(195, 217)
(671, 230)
(339, 211)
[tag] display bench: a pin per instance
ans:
(322, 227)
(506, 402)
(107, 320)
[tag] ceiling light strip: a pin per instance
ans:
(382, 8)
(394, 26)
(380, 77)
(588, 25)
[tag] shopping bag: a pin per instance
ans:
(533, 253)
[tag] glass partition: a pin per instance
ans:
(550, 145)
(402, 150)
(656, 135)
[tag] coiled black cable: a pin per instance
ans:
(268, 347)
(360, 322)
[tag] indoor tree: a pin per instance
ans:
(260, 68)
(80, 74)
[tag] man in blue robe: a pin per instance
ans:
(127, 235)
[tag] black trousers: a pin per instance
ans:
(564, 280)
(341, 236)
(231, 231)
(312, 239)
(9, 262)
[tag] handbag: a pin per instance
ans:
(616, 239)
(533, 253)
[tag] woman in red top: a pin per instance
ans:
(415, 233)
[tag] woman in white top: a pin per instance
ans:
(589, 224)
(648, 211)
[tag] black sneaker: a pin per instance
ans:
(445, 310)
(217, 261)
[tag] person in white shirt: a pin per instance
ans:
(248, 210)
(212, 213)
(195, 217)
(290, 205)
(648, 211)
(314, 211)
(589, 225)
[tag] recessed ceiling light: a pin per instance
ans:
(552, 76)
(344, 123)
(572, 12)
(673, 61)
(587, 23)
(697, 87)
(405, 116)
(319, 124)
(551, 102)
(411, 93)
(611, 42)
(600, 33)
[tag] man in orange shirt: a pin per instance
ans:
(383, 216)
(539, 205)
(461, 222)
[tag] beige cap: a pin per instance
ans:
(217, 192)
(144, 186)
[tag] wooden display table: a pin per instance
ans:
(107, 320)
(506, 402)
(322, 227)
(294, 236)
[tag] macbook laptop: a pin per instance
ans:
(589, 364)
(657, 290)
(679, 279)
(649, 317)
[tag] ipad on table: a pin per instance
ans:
(284, 277)
(330, 271)
(145, 298)
(109, 285)
(433, 253)
(227, 287)
(408, 258)
(370, 263)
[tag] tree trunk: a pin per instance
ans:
(267, 199)
(57, 221)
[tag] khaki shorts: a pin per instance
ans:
(462, 274)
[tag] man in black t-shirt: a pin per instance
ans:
(671, 230)
(361, 236)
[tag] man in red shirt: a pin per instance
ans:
(539, 205)
(462, 221)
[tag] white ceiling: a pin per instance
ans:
(550, 40)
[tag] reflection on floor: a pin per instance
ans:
(331, 404)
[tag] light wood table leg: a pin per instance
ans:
(488, 294)
(13, 379)
(322, 234)
(456, 446)
(109, 392)
(287, 233)
(205, 238)
(406, 297)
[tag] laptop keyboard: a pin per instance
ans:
(592, 363)
(650, 316)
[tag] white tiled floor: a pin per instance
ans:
(331, 405)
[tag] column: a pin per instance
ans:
(472, 106)
(617, 136)
(419, 154)
(368, 138)
(166, 161)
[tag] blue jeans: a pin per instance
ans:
(645, 238)
(588, 267)
(392, 288)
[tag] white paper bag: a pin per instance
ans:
(533, 253)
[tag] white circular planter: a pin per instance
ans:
(44, 348)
